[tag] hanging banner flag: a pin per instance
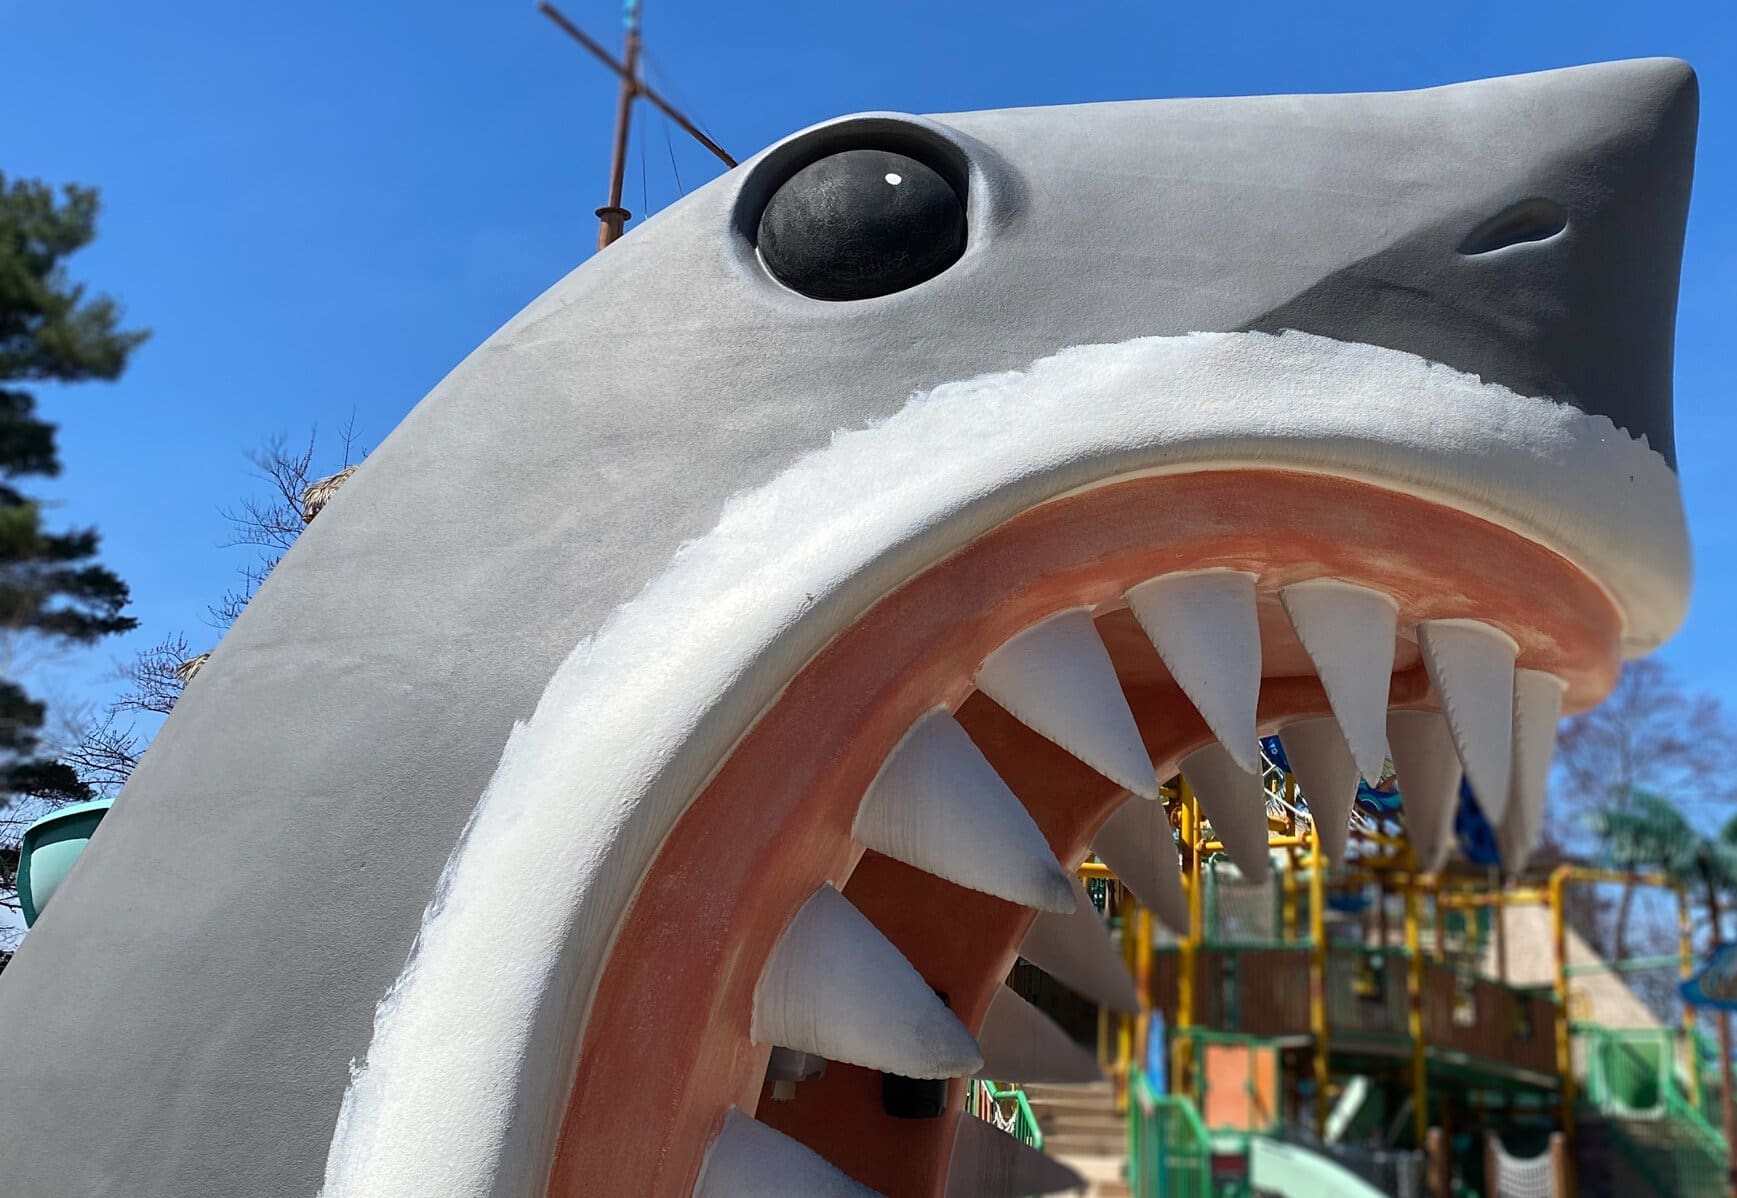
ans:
(1714, 984)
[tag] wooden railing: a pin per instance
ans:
(1265, 992)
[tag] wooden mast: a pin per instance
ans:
(612, 217)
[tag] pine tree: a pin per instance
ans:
(51, 587)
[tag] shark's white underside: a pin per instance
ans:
(462, 1088)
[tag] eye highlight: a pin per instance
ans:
(861, 223)
(1534, 219)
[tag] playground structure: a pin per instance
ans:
(1438, 1033)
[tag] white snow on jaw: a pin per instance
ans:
(1137, 845)
(833, 986)
(1203, 624)
(1327, 776)
(1077, 951)
(989, 1163)
(1234, 801)
(1348, 632)
(937, 804)
(1428, 771)
(1020, 1041)
(1537, 708)
(1471, 666)
(1056, 678)
(750, 1160)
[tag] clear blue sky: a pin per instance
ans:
(320, 208)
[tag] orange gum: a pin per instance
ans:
(666, 1050)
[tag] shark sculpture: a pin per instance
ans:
(717, 676)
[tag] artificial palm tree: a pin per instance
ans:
(1646, 833)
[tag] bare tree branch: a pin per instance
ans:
(1650, 734)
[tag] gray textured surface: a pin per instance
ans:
(182, 1019)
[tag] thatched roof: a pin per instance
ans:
(320, 493)
(1595, 995)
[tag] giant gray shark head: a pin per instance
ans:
(823, 538)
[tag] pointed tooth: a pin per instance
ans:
(1056, 678)
(1022, 1044)
(1077, 951)
(833, 986)
(1322, 764)
(1137, 845)
(939, 805)
(989, 1163)
(1428, 772)
(1537, 708)
(1349, 634)
(1203, 624)
(1234, 801)
(1471, 666)
(750, 1160)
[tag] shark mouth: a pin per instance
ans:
(808, 797)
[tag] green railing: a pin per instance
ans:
(1007, 1107)
(1169, 1152)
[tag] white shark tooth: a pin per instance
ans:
(1056, 678)
(1234, 801)
(1349, 632)
(1537, 709)
(747, 1159)
(1137, 845)
(1204, 626)
(1471, 666)
(835, 987)
(1322, 764)
(1022, 1044)
(939, 805)
(1077, 951)
(989, 1163)
(1428, 771)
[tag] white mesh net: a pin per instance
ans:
(1524, 1177)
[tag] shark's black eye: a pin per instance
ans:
(861, 223)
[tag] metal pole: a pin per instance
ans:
(640, 86)
(1414, 1018)
(1501, 929)
(612, 216)
(1685, 967)
(1318, 976)
(1182, 1046)
(1727, 1100)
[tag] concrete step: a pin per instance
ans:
(1104, 1174)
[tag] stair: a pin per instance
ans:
(1643, 1158)
(1082, 1127)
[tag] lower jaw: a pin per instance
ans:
(666, 1050)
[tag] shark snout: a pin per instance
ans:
(1551, 264)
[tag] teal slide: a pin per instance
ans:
(1294, 1172)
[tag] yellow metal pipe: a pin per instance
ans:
(1414, 1019)
(1288, 931)
(1318, 980)
(1182, 1045)
(1273, 842)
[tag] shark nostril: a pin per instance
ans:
(1534, 219)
